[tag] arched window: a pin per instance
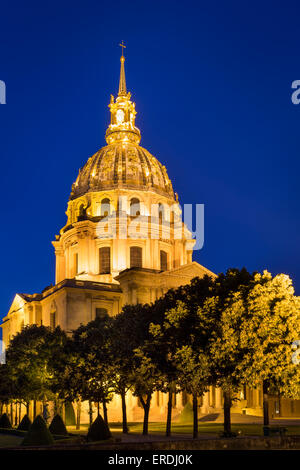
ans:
(136, 254)
(161, 213)
(52, 320)
(105, 207)
(135, 209)
(101, 313)
(163, 260)
(104, 260)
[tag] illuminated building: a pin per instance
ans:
(124, 242)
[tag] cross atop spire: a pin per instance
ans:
(123, 46)
(122, 83)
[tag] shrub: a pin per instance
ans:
(24, 424)
(98, 431)
(38, 434)
(57, 426)
(5, 422)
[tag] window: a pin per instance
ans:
(160, 213)
(135, 209)
(101, 313)
(104, 260)
(52, 320)
(136, 257)
(163, 260)
(105, 207)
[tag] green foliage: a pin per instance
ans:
(5, 422)
(24, 424)
(38, 434)
(57, 426)
(98, 431)
(30, 359)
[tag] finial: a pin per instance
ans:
(122, 83)
(123, 46)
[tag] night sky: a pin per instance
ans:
(212, 86)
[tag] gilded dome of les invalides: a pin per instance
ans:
(123, 163)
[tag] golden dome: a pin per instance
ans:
(122, 165)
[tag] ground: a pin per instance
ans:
(209, 426)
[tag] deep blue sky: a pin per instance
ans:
(212, 86)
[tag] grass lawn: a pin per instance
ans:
(206, 429)
(7, 440)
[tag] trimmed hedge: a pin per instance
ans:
(5, 422)
(98, 431)
(57, 426)
(24, 424)
(38, 434)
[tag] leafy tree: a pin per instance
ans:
(6, 386)
(222, 315)
(131, 330)
(127, 333)
(30, 358)
(194, 376)
(271, 324)
(85, 367)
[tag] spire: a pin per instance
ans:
(122, 83)
(122, 110)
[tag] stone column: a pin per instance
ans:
(205, 405)
(218, 398)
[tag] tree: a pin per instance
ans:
(84, 367)
(222, 315)
(6, 386)
(271, 324)
(30, 358)
(176, 326)
(130, 369)
(194, 376)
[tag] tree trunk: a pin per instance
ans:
(27, 408)
(78, 413)
(146, 405)
(90, 412)
(195, 416)
(34, 409)
(227, 417)
(169, 414)
(125, 427)
(266, 403)
(98, 408)
(1, 409)
(11, 414)
(16, 414)
(20, 412)
(105, 417)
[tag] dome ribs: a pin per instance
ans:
(146, 159)
(116, 174)
(124, 165)
(123, 152)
